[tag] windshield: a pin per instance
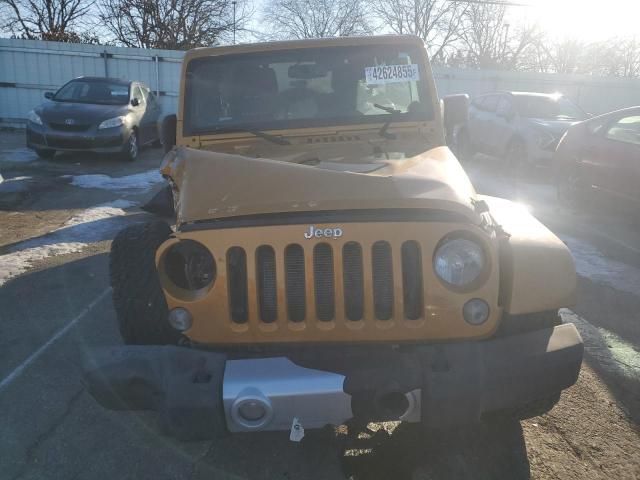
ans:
(556, 108)
(306, 87)
(94, 91)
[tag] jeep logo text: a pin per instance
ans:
(314, 232)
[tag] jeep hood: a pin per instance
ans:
(212, 185)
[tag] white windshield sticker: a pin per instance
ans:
(392, 74)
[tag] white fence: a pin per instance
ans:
(28, 68)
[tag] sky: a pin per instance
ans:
(588, 20)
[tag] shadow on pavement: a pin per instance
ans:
(493, 451)
(87, 232)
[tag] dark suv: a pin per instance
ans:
(524, 128)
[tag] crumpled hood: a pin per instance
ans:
(215, 185)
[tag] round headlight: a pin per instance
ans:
(459, 262)
(190, 265)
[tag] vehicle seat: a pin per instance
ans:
(342, 100)
(206, 106)
(254, 93)
(99, 92)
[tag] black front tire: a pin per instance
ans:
(138, 298)
(45, 153)
(131, 148)
(570, 187)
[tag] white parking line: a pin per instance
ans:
(34, 356)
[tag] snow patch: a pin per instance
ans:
(612, 352)
(592, 264)
(16, 263)
(92, 225)
(138, 181)
(106, 210)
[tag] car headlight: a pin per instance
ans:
(459, 261)
(189, 265)
(33, 117)
(543, 139)
(112, 122)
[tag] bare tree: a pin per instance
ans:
(315, 18)
(438, 22)
(615, 57)
(57, 20)
(171, 24)
(489, 40)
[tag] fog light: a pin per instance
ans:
(476, 311)
(180, 319)
(252, 410)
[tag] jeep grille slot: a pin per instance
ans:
(382, 266)
(266, 283)
(353, 280)
(324, 281)
(295, 284)
(412, 280)
(237, 284)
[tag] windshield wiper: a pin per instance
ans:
(277, 139)
(383, 131)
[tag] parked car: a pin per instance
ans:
(331, 261)
(521, 127)
(103, 115)
(601, 154)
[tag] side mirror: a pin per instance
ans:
(135, 102)
(456, 110)
(48, 95)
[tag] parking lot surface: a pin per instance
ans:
(57, 219)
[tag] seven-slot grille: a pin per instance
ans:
(317, 267)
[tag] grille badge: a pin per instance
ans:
(314, 232)
(69, 121)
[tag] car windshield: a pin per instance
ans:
(306, 87)
(552, 108)
(94, 91)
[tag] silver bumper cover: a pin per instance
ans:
(271, 392)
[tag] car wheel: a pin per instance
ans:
(132, 147)
(464, 149)
(517, 159)
(140, 305)
(45, 153)
(570, 187)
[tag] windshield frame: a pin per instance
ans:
(97, 80)
(423, 86)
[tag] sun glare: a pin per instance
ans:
(586, 20)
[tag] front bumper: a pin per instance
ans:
(444, 385)
(109, 140)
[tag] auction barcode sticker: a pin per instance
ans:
(392, 74)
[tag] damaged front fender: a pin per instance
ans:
(537, 272)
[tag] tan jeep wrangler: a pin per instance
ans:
(331, 263)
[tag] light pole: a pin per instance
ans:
(234, 21)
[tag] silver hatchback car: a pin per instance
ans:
(521, 127)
